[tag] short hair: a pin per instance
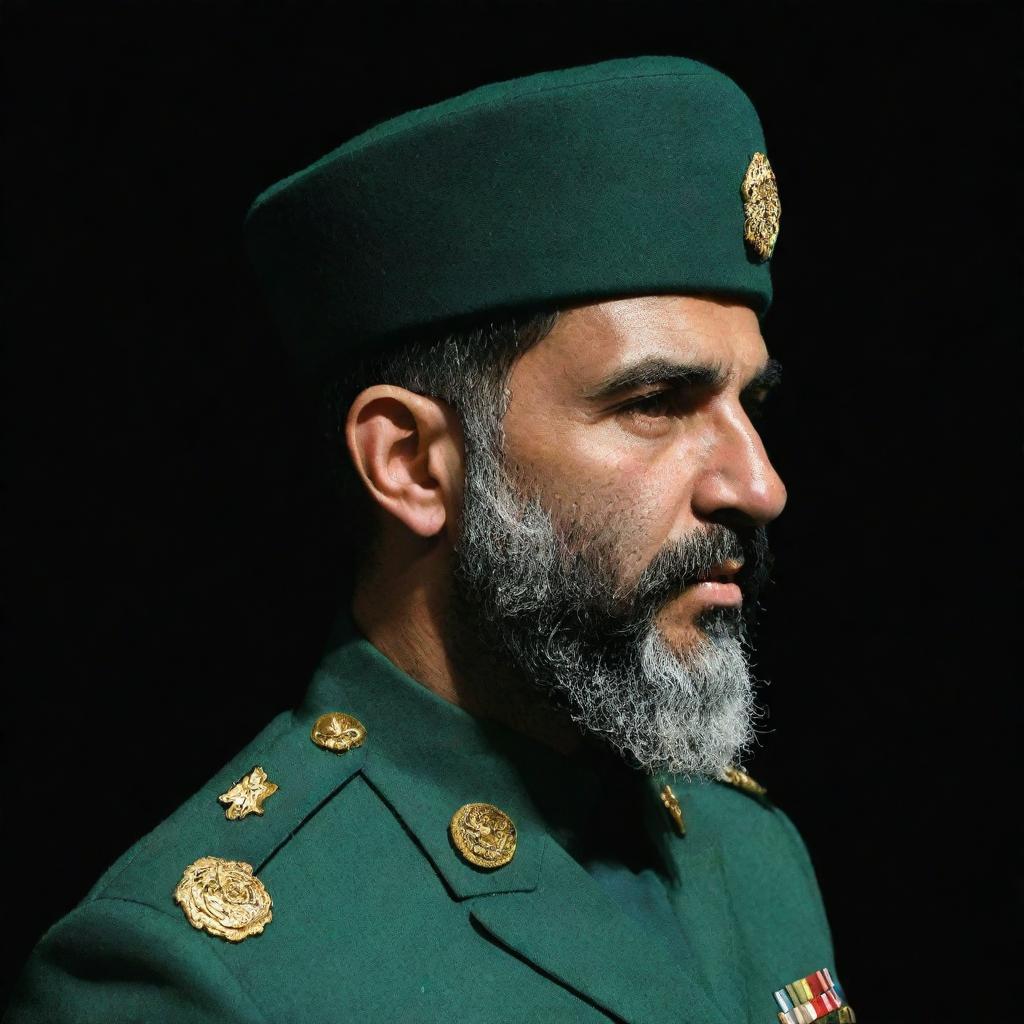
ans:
(468, 368)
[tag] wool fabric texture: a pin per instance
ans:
(614, 179)
(377, 917)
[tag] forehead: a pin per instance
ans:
(588, 342)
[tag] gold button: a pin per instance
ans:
(338, 732)
(671, 802)
(247, 795)
(484, 834)
(224, 898)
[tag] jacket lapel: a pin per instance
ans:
(703, 907)
(570, 929)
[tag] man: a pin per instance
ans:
(511, 792)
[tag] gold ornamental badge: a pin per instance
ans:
(741, 780)
(761, 207)
(247, 795)
(484, 834)
(338, 732)
(675, 810)
(224, 898)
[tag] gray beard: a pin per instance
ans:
(546, 599)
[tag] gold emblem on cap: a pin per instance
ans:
(247, 795)
(338, 732)
(224, 898)
(761, 207)
(484, 834)
(671, 802)
(741, 780)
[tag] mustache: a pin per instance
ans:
(696, 556)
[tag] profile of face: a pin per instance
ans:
(611, 544)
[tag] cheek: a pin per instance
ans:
(648, 502)
(639, 487)
(623, 489)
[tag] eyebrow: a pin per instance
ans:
(766, 378)
(656, 370)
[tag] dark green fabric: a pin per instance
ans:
(376, 917)
(618, 178)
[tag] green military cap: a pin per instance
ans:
(642, 175)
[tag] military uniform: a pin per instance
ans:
(376, 915)
(379, 854)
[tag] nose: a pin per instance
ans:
(738, 484)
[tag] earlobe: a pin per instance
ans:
(402, 445)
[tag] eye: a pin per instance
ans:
(656, 404)
(673, 401)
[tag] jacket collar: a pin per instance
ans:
(426, 758)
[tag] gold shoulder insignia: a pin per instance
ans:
(224, 898)
(674, 808)
(338, 732)
(741, 780)
(247, 795)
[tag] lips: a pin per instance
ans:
(718, 586)
(723, 572)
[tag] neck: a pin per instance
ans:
(408, 623)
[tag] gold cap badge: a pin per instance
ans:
(761, 207)
(224, 898)
(248, 794)
(338, 732)
(484, 834)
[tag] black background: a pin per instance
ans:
(174, 559)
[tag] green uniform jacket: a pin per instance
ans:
(377, 917)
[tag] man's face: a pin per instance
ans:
(629, 473)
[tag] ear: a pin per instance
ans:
(408, 450)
